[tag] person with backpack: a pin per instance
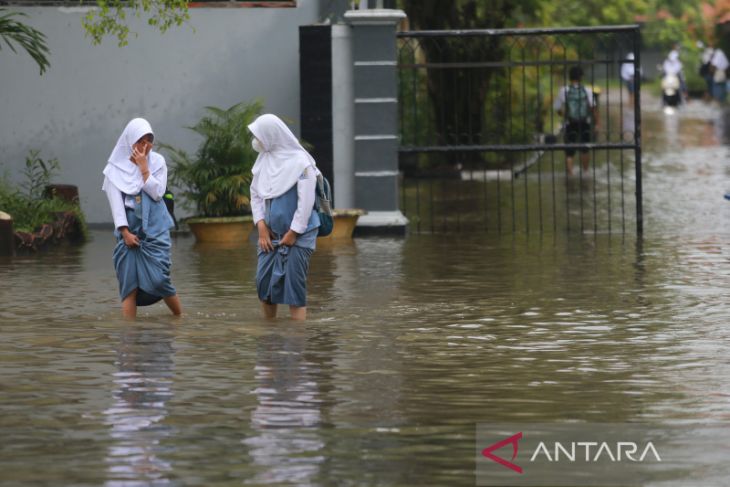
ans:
(719, 68)
(576, 104)
(705, 70)
(283, 194)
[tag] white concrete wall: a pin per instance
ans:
(76, 111)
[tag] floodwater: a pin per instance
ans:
(410, 343)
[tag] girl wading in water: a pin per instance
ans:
(135, 179)
(282, 200)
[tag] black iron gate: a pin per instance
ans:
(482, 130)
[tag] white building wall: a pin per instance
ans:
(78, 108)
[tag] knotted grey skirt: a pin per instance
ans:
(145, 268)
(281, 275)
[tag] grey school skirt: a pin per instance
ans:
(281, 275)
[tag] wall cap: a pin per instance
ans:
(375, 16)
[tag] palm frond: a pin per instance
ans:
(31, 40)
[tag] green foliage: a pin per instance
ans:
(31, 40)
(451, 111)
(110, 18)
(217, 179)
(664, 21)
(590, 12)
(467, 14)
(38, 174)
(29, 208)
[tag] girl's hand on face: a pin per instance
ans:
(139, 154)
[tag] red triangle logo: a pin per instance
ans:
(514, 439)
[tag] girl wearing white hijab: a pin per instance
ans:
(135, 179)
(672, 66)
(282, 200)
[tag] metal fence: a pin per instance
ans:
(482, 131)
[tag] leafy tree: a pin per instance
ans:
(111, 17)
(665, 21)
(590, 12)
(458, 96)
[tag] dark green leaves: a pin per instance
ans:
(217, 179)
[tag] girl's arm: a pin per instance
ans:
(305, 200)
(156, 183)
(258, 210)
(258, 207)
(119, 213)
(116, 203)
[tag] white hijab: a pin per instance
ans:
(282, 159)
(120, 170)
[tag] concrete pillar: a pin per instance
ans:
(375, 81)
(343, 150)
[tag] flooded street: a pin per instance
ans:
(410, 343)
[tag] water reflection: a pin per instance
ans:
(142, 388)
(380, 265)
(671, 130)
(721, 128)
(410, 342)
(628, 124)
(350, 277)
(286, 444)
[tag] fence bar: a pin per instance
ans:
(600, 29)
(513, 147)
(637, 137)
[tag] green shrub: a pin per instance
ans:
(29, 208)
(217, 179)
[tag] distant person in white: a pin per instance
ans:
(706, 69)
(718, 67)
(672, 66)
(628, 76)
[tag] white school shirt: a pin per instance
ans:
(720, 62)
(707, 55)
(672, 67)
(305, 201)
(627, 71)
(118, 202)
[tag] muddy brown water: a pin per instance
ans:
(410, 343)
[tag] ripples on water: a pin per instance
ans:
(409, 344)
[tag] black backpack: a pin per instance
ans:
(705, 70)
(169, 200)
(705, 67)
